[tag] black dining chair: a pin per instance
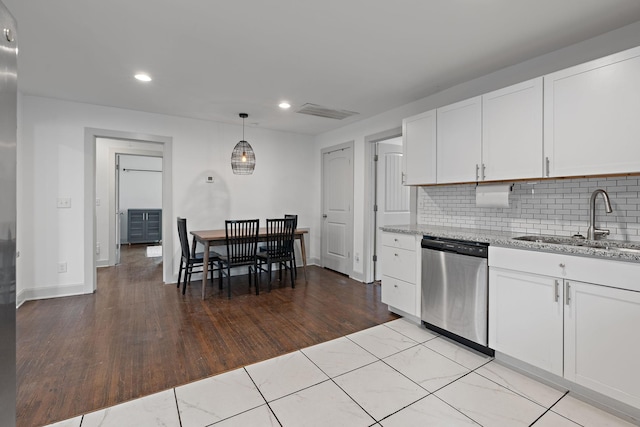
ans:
(241, 238)
(279, 248)
(295, 227)
(189, 260)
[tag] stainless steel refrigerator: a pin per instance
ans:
(8, 127)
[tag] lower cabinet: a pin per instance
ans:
(584, 332)
(525, 318)
(602, 345)
(400, 263)
(144, 225)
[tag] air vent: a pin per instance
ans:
(329, 113)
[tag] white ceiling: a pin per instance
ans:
(212, 59)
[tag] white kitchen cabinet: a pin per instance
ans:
(591, 123)
(459, 141)
(525, 317)
(555, 320)
(512, 132)
(602, 348)
(419, 149)
(401, 270)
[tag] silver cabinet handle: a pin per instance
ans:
(546, 162)
(477, 172)
(556, 289)
(483, 177)
(562, 265)
(567, 297)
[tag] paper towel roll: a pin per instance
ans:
(493, 195)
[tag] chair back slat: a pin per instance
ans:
(242, 240)
(184, 240)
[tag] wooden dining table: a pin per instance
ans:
(210, 238)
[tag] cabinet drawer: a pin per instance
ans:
(399, 294)
(399, 263)
(402, 241)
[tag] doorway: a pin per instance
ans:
(105, 201)
(337, 208)
(391, 197)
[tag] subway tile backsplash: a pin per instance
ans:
(555, 207)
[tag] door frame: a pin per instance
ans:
(90, 135)
(351, 145)
(114, 191)
(368, 232)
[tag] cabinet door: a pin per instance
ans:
(459, 141)
(512, 132)
(591, 123)
(136, 232)
(154, 225)
(419, 149)
(525, 317)
(399, 294)
(602, 348)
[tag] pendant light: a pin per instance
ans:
(243, 159)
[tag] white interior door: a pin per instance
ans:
(337, 216)
(392, 198)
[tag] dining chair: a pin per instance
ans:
(191, 259)
(279, 248)
(295, 227)
(241, 238)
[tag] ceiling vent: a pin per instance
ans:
(329, 113)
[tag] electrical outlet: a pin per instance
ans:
(98, 248)
(64, 202)
(357, 257)
(62, 267)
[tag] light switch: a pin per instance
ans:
(64, 202)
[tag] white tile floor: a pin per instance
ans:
(393, 375)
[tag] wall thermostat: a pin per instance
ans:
(210, 180)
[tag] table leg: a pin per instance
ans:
(303, 252)
(205, 266)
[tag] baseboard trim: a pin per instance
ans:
(51, 292)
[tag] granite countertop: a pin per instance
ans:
(606, 249)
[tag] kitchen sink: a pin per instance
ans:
(552, 239)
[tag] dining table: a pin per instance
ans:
(209, 238)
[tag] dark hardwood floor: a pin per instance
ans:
(136, 336)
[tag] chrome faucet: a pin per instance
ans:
(593, 232)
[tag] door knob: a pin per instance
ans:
(324, 215)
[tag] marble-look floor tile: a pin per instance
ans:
(381, 341)
(155, 410)
(551, 419)
(284, 375)
(587, 415)
(257, 417)
(431, 412)
(426, 367)
(213, 399)
(412, 330)
(339, 356)
(380, 389)
(73, 422)
(321, 405)
(488, 403)
(521, 384)
(457, 352)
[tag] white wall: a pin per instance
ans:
(51, 165)
(614, 41)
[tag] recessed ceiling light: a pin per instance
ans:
(284, 105)
(143, 77)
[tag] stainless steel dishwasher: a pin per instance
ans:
(455, 291)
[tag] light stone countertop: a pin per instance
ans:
(505, 239)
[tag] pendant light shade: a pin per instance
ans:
(243, 159)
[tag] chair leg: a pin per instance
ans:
(228, 281)
(185, 279)
(291, 273)
(220, 275)
(180, 273)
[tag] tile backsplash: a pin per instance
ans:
(554, 207)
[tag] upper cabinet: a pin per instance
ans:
(459, 141)
(512, 132)
(419, 149)
(591, 117)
